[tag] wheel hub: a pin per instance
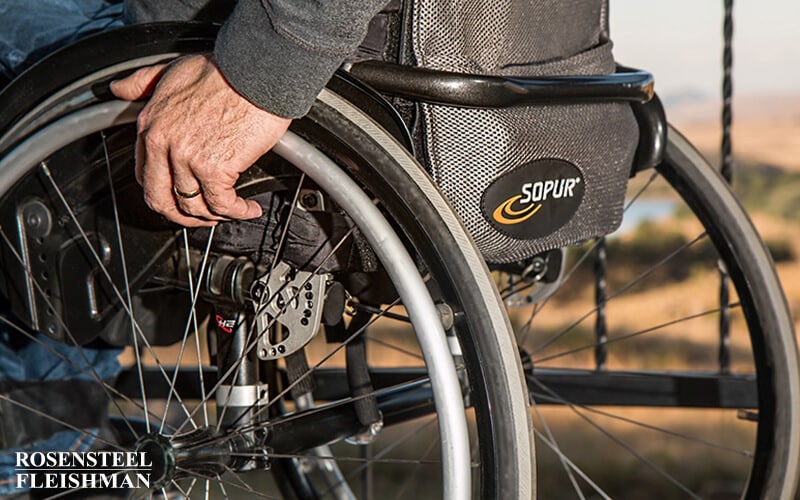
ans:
(204, 453)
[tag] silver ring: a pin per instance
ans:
(186, 196)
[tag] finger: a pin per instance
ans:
(139, 156)
(196, 207)
(138, 85)
(184, 181)
(222, 199)
(157, 184)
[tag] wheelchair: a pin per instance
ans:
(354, 341)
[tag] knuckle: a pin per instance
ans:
(143, 121)
(155, 203)
(153, 139)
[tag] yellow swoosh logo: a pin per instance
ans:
(504, 214)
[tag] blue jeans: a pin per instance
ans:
(29, 30)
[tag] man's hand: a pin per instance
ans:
(196, 134)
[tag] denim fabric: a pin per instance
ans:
(30, 29)
(25, 359)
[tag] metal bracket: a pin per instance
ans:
(291, 298)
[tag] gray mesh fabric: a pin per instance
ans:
(465, 150)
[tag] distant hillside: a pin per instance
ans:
(766, 128)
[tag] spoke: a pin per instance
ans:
(241, 481)
(619, 292)
(662, 430)
(60, 422)
(325, 359)
(302, 414)
(655, 175)
(93, 373)
(109, 389)
(559, 453)
(196, 331)
(394, 347)
(364, 461)
(250, 333)
(178, 487)
(430, 449)
(264, 300)
(105, 272)
(285, 230)
(374, 310)
(190, 321)
(190, 488)
(126, 282)
(636, 334)
(585, 255)
(649, 463)
(253, 344)
(220, 481)
(222, 489)
(574, 467)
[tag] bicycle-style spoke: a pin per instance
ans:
(92, 372)
(126, 282)
(627, 447)
(570, 463)
(198, 354)
(644, 425)
(219, 481)
(251, 345)
(111, 391)
(619, 292)
(655, 328)
(561, 457)
(101, 266)
(394, 348)
(191, 321)
(60, 422)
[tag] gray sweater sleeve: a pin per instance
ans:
(278, 54)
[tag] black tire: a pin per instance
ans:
(423, 219)
(636, 360)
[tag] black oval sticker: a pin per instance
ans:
(534, 199)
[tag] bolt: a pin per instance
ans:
(52, 329)
(262, 353)
(258, 291)
(308, 286)
(272, 352)
(307, 313)
(309, 295)
(281, 348)
(309, 304)
(304, 321)
(310, 201)
(34, 220)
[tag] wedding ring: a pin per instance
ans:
(186, 196)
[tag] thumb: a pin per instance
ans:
(138, 85)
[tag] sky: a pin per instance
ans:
(680, 42)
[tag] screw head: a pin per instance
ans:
(309, 201)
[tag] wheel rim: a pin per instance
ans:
(115, 114)
(637, 336)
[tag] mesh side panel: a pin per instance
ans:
(465, 150)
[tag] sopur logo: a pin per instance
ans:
(535, 199)
(533, 196)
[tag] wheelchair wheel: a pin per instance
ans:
(309, 343)
(684, 387)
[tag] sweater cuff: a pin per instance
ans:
(267, 69)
